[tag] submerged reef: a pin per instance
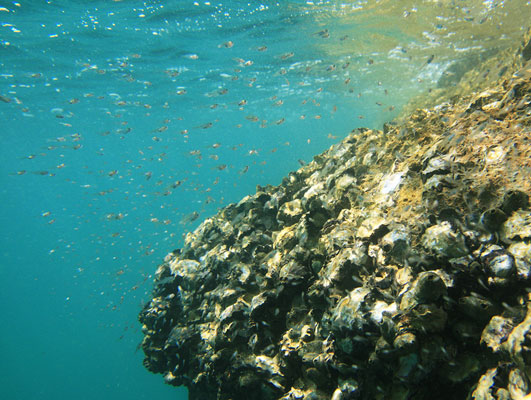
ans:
(395, 265)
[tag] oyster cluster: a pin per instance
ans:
(396, 265)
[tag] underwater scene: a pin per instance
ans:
(265, 200)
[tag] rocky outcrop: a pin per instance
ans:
(396, 265)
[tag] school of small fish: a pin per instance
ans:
(221, 115)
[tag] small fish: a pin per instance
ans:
(285, 56)
(227, 45)
(172, 73)
(262, 48)
(190, 218)
(252, 118)
(280, 121)
(204, 126)
(323, 33)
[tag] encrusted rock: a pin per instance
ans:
(496, 332)
(395, 265)
(290, 211)
(443, 241)
(518, 226)
(428, 288)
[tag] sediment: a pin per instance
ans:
(395, 265)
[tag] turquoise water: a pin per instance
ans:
(126, 123)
